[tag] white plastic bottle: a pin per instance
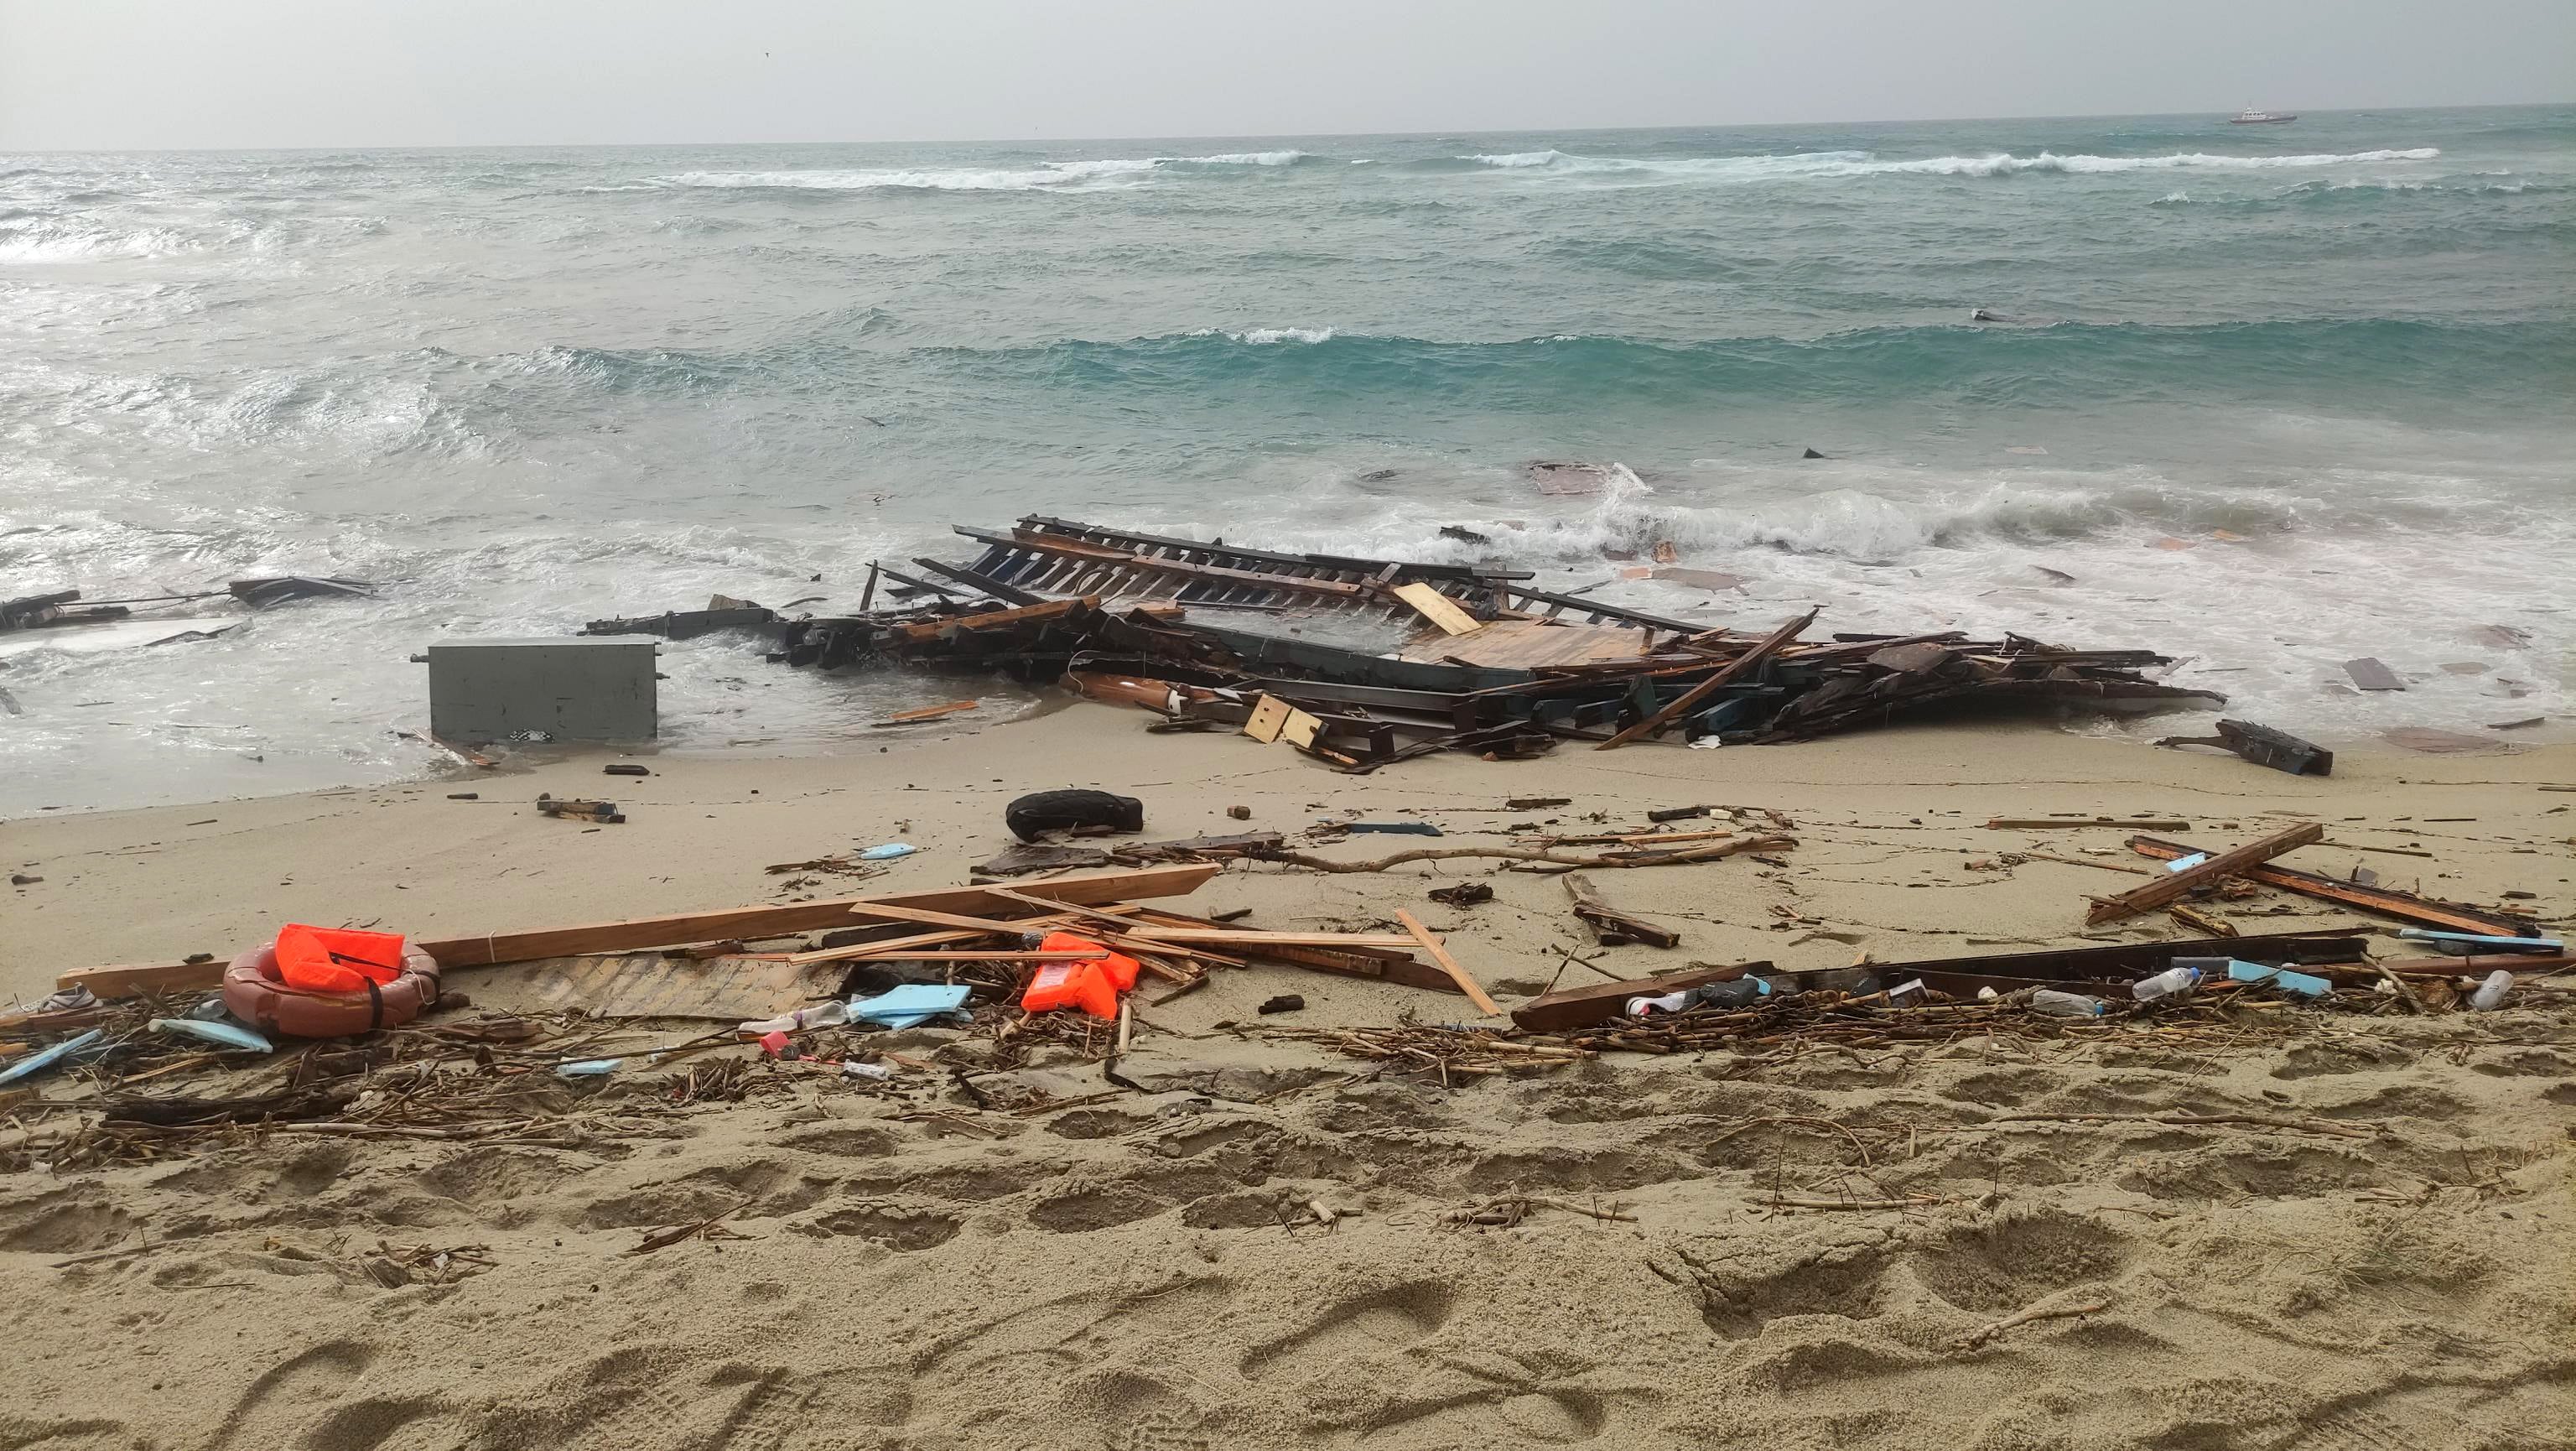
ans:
(2490, 994)
(2173, 982)
(1639, 1007)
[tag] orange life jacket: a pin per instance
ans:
(337, 959)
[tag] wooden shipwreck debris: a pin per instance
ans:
(2264, 746)
(1503, 671)
(1612, 927)
(2174, 886)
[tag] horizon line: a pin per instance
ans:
(1224, 136)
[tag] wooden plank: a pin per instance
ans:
(2405, 906)
(136, 980)
(2370, 674)
(1440, 954)
(852, 951)
(1439, 609)
(1532, 644)
(895, 912)
(1245, 937)
(2173, 886)
(1610, 925)
(992, 619)
(933, 712)
(1769, 645)
(2052, 823)
(781, 921)
(1593, 1003)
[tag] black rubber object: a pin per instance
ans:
(1043, 811)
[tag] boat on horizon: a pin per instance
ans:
(2252, 117)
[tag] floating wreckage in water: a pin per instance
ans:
(1391, 659)
(63, 621)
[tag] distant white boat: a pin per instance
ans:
(2251, 117)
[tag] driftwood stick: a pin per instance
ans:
(1551, 858)
(1984, 1333)
(1801, 1201)
(2195, 1120)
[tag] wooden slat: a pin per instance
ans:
(1228, 936)
(1440, 955)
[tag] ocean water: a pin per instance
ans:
(525, 388)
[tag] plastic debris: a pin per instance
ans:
(2067, 1005)
(222, 1035)
(589, 1068)
(2173, 982)
(913, 1004)
(2491, 993)
(822, 1015)
(46, 1058)
(888, 852)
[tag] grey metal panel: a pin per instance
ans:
(588, 688)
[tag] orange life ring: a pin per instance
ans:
(254, 993)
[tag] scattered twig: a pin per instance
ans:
(711, 1227)
(1984, 1333)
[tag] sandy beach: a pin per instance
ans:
(2368, 1247)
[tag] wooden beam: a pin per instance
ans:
(1440, 954)
(2173, 886)
(135, 981)
(934, 712)
(642, 934)
(2405, 906)
(1726, 674)
(2053, 823)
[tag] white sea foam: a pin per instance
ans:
(1833, 164)
(1283, 335)
(41, 239)
(1045, 176)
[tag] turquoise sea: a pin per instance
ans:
(525, 388)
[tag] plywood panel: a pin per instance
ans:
(1528, 644)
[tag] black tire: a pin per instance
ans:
(1044, 811)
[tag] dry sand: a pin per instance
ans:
(1128, 1273)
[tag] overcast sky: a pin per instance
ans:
(262, 73)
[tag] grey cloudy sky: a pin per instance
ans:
(258, 73)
